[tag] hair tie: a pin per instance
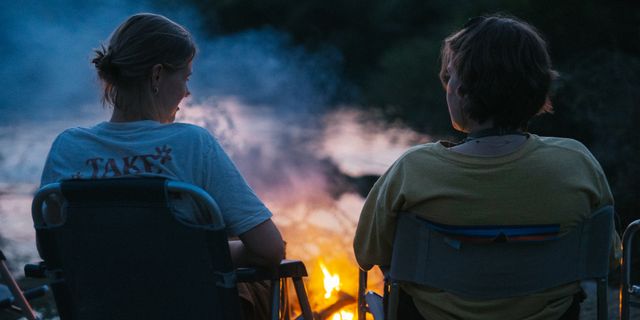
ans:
(109, 70)
(106, 59)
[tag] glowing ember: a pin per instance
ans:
(343, 315)
(331, 282)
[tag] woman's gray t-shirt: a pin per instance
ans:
(176, 151)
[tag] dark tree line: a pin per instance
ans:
(391, 55)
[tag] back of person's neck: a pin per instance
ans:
(120, 116)
(472, 126)
(487, 140)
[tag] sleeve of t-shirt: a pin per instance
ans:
(606, 198)
(373, 241)
(241, 208)
(51, 172)
(604, 195)
(603, 198)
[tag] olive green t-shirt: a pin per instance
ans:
(545, 181)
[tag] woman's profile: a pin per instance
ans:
(144, 69)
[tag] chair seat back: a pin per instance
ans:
(426, 255)
(124, 255)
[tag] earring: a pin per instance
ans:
(155, 90)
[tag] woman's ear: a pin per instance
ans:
(156, 73)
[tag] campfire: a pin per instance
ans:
(332, 290)
(340, 300)
(328, 301)
(311, 174)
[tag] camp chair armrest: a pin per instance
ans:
(287, 269)
(291, 269)
(253, 274)
(35, 270)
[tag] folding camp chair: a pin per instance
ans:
(120, 253)
(495, 262)
(12, 297)
(628, 289)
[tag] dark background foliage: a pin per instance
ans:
(390, 56)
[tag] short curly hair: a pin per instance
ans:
(504, 69)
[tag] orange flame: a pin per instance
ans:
(331, 282)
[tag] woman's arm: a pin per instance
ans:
(261, 246)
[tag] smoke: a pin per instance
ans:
(47, 48)
(49, 83)
(264, 68)
(270, 102)
(372, 144)
(46, 53)
(264, 98)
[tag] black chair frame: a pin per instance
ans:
(628, 289)
(19, 301)
(77, 194)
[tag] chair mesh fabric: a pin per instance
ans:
(500, 269)
(125, 256)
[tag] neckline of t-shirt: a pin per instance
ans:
(524, 149)
(130, 125)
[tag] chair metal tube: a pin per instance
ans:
(627, 286)
(394, 300)
(362, 302)
(275, 299)
(17, 292)
(303, 300)
(36, 205)
(203, 197)
(602, 295)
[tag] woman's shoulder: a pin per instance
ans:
(425, 148)
(566, 145)
(191, 133)
(70, 134)
(189, 128)
(566, 149)
(420, 153)
(562, 143)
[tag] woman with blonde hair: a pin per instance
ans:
(144, 69)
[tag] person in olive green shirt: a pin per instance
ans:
(497, 75)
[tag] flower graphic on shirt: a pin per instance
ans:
(164, 154)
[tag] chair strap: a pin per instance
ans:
(506, 233)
